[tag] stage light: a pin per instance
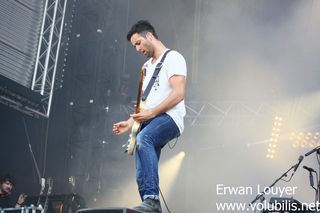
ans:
(303, 140)
(275, 134)
(182, 154)
(169, 171)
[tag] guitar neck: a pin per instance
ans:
(142, 72)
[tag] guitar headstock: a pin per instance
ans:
(43, 185)
(143, 70)
(50, 184)
(72, 181)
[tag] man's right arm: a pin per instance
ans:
(122, 126)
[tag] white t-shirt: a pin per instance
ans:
(174, 64)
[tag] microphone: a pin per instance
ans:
(311, 179)
(309, 169)
(312, 151)
(310, 175)
(298, 164)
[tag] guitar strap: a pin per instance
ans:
(154, 76)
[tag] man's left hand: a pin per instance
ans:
(143, 116)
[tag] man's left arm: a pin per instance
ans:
(177, 83)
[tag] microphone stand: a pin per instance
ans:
(316, 189)
(261, 194)
(317, 150)
(318, 186)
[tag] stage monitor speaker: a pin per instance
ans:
(31, 209)
(65, 203)
(108, 210)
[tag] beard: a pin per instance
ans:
(149, 50)
(5, 192)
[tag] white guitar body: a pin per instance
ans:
(132, 142)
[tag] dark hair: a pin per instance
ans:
(141, 27)
(9, 178)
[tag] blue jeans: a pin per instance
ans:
(154, 135)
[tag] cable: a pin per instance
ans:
(45, 149)
(31, 151)
(164, 201)
(287, 180)
(174, 144)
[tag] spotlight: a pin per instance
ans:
(169, 171)
(182, 154)
(275, 134)
(303, 140)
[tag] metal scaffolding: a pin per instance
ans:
(48, 53)
(207, 113)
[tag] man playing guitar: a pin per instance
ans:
(162, 118)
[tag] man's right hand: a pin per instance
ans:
(21, 200)
(122, 127)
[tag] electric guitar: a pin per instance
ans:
(65, 207)
(46, 203)
(132, 142)
(43, 186)
(72, 181)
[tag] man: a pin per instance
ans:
(162, 118)
(7, 183)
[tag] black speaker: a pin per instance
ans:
(32, 209)
(64, 203)
(108, 210)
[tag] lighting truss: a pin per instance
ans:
(207, 113)
(204, 113)
(48, 52)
